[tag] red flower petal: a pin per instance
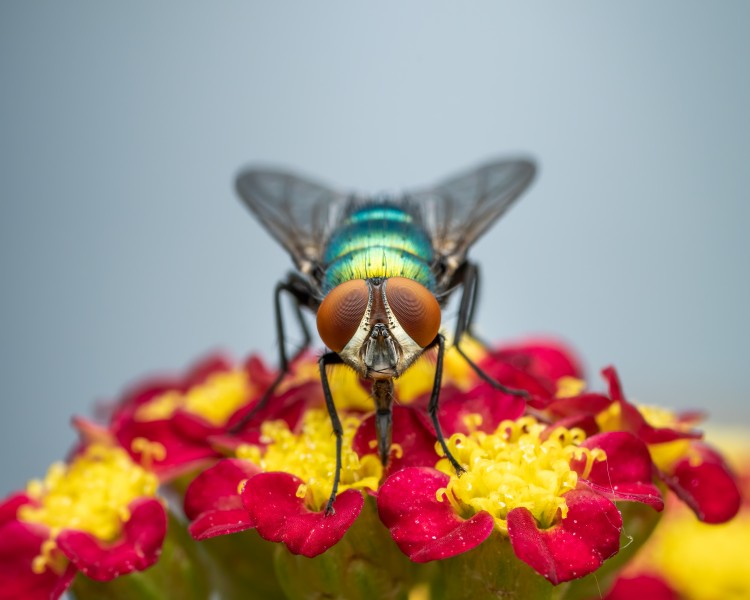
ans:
(492, 405)
(11, 504)
(708, 487)
(139, 548)
(588, 404)
(647, 587)
(213, 502)
(288, 406)
(20, 543)
(182, 453)
(424, 528)
(626, 474)
(541, 391)
(634, 422)
(545, 358)
(281, 516)
(576, 545)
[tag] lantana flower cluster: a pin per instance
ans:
(555, 488)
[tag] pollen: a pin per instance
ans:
(90, 494)
(311, 456)
(514, 467)
(215, 400)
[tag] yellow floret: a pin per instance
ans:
(90, 494)
(311, 456)
(513, 467)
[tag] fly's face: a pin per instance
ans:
(379, 326)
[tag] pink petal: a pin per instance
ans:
(626, 474)
(542, 357)
(213, 502)
(647, 587)
(541, 390)
(588, 403)
(20, 543)
(289, 406)
(634, 422)
(204, 368)
(422, 527)
(182, 454)
(573, 547)
(280, 516)
(139, 548)
(709, 487)
(10, 505)
(492, 405)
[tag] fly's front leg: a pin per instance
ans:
(468, 277)
(432, 407)
(331, 358)
(302, 295)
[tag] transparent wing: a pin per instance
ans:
(459, 210)
(298, 212)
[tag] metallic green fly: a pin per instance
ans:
(377, 272)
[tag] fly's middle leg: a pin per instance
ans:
(301, 295)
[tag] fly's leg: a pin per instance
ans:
(468, 276)
(432, 407)
(331, 358)
(301, 295)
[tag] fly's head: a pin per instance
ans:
(379, 326)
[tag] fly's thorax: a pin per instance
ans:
(379, 326)
(378, 240)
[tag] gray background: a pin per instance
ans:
(124, 250)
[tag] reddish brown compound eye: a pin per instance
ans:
(341, 312)
(415, 307)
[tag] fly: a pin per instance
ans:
(377, 272)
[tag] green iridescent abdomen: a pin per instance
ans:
(378, 240)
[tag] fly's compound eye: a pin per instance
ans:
(341, 312)
(415, 307)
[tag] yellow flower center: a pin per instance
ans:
(513, 467)
(90, 494)
(311, 456)
(215, 400)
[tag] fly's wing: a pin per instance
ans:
(459, 210)
(298, 212)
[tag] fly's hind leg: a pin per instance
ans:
(468, 277)
(302, 295)
(331, 358)
(432, 407)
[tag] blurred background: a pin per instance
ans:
(124, 250)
